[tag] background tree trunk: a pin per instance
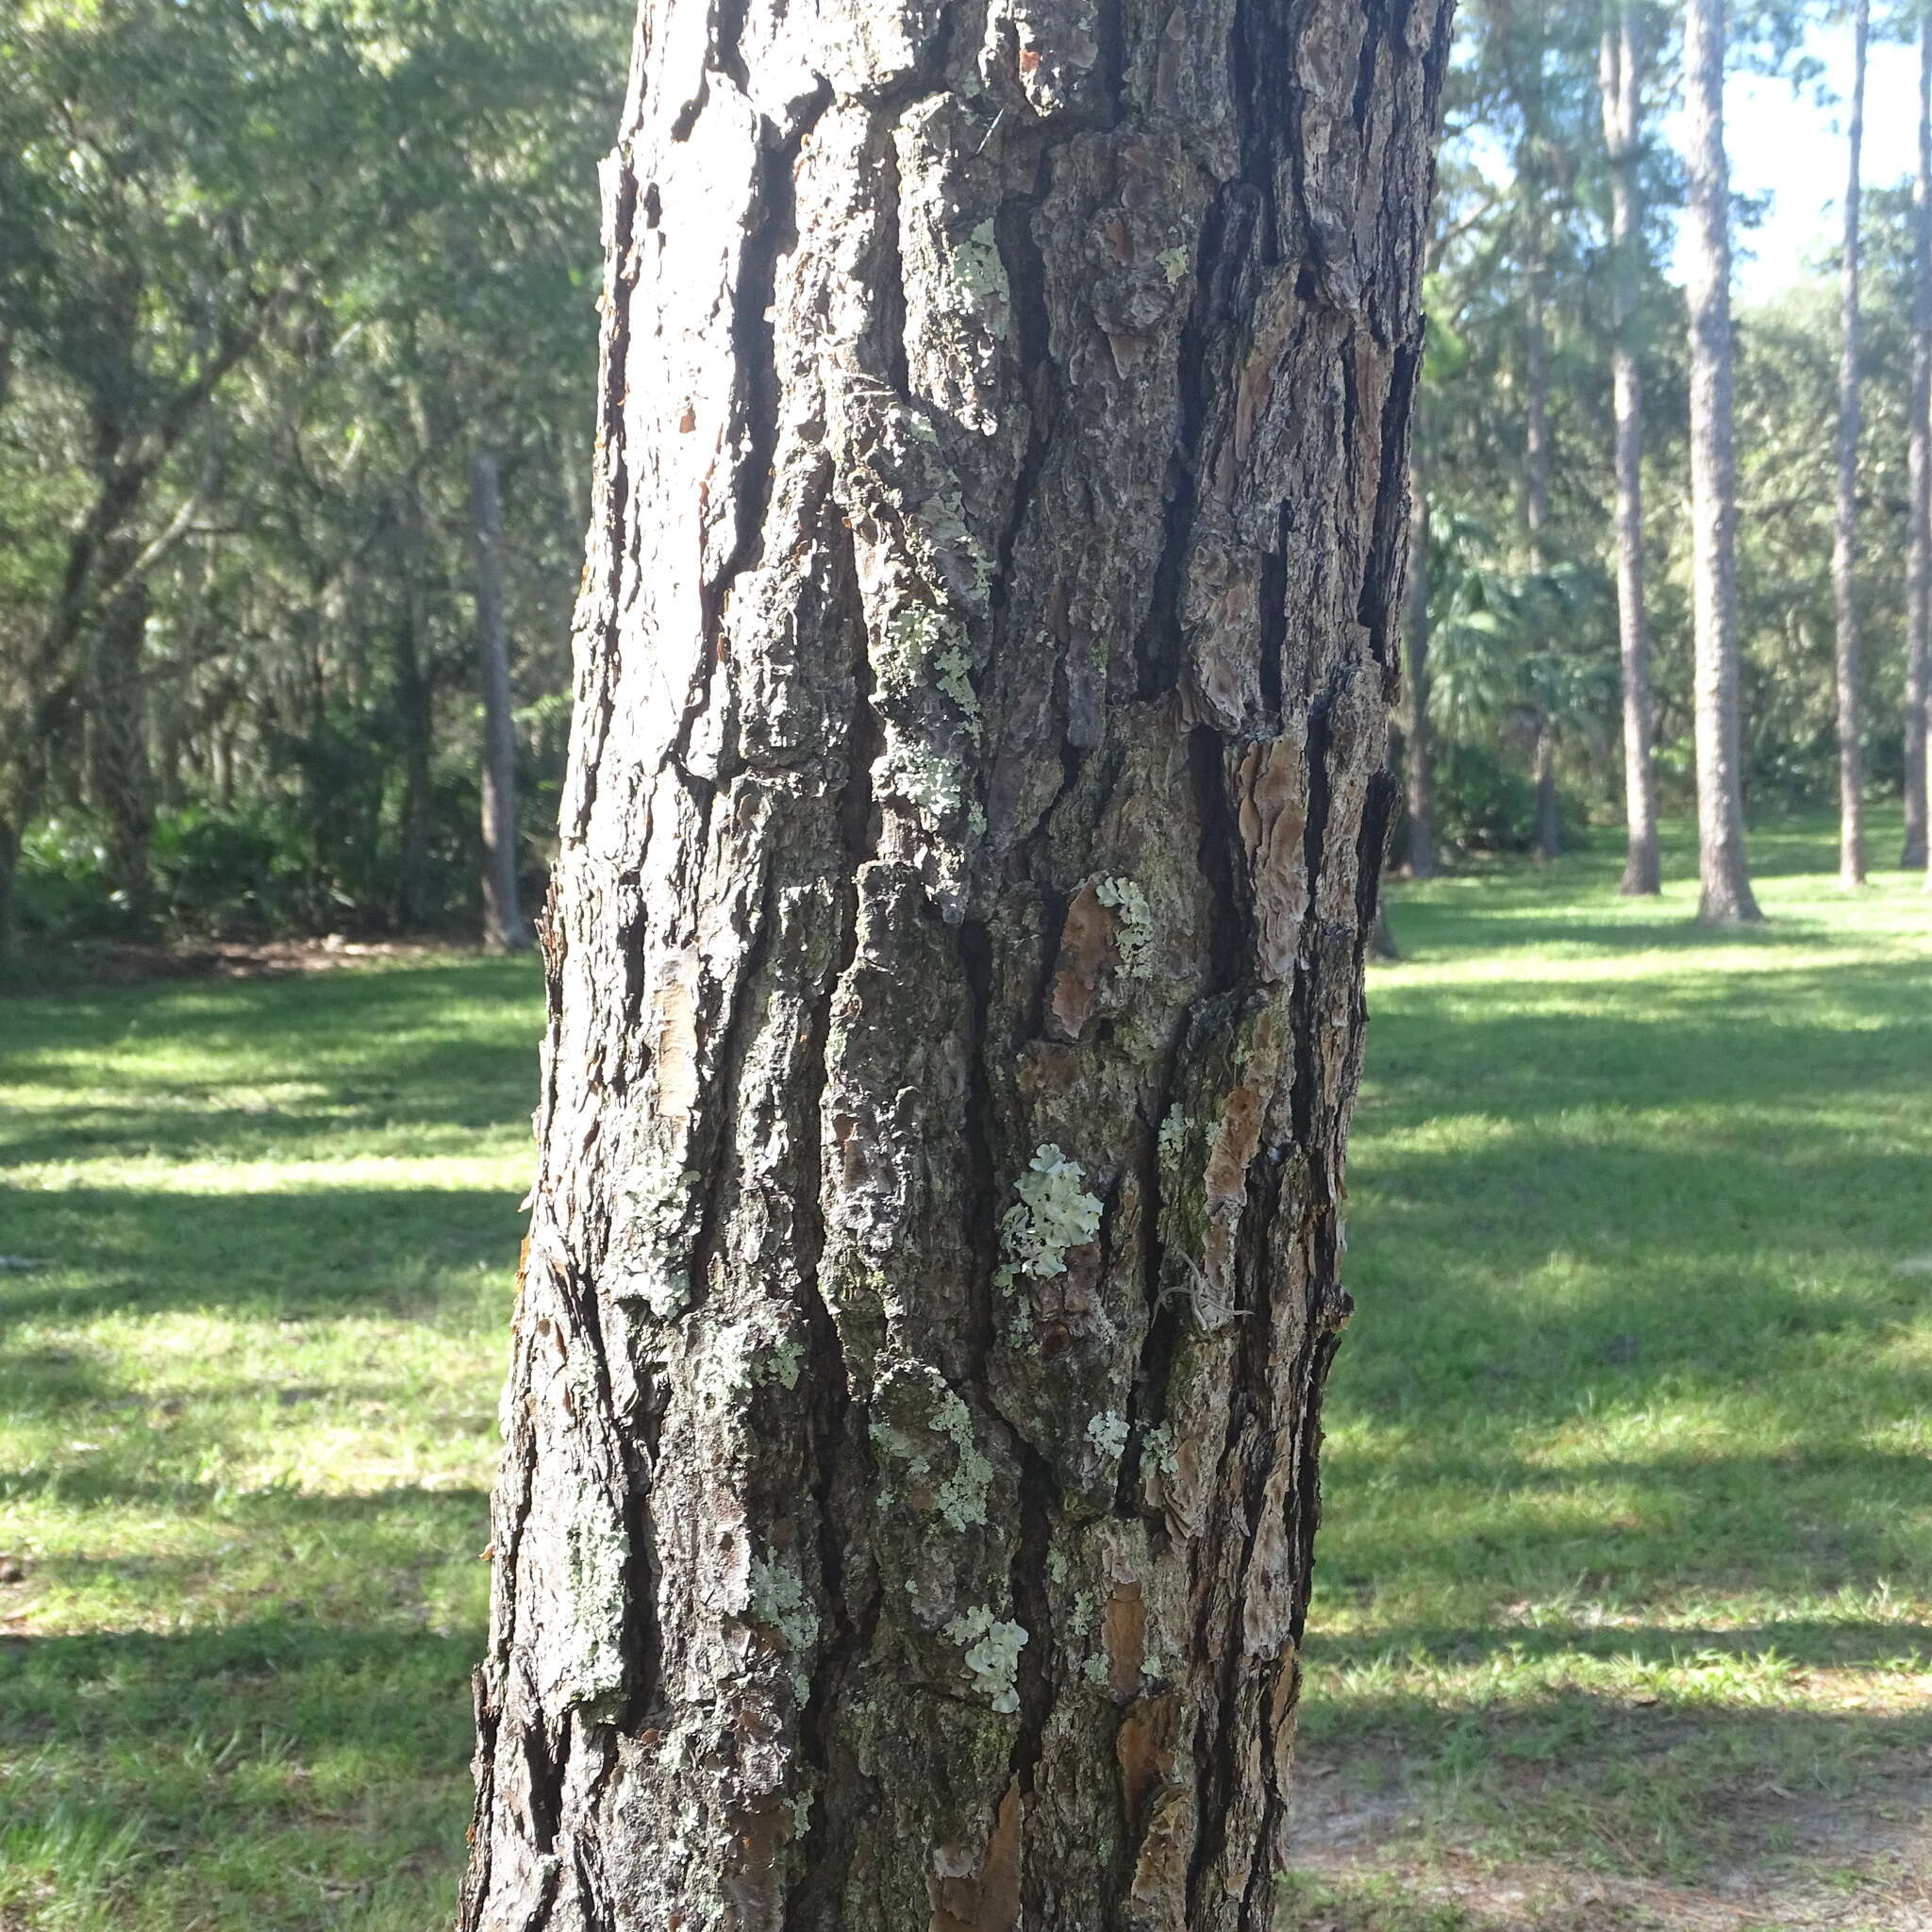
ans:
(1727, 898)
(503, 919)
(1419, 764)
(416, 701)
(1536, 469)
(119, 772)
(1851, 753)
(10, 873)
(1620, 74)
(1919, 547)
(955, 967)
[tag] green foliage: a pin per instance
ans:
(1484, 803)
(268, 275)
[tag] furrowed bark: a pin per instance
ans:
(1727, 898)
(955, 966)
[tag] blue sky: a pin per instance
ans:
(1793, 147)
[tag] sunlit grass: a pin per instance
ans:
(1626, 1557)
(1628, 1549)
(249, 1414)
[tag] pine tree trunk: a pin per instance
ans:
(1549, 817)
(955, 967)
(120, 774)
(1621, 79)
(1420, 761)
(1919, 545)
(1727, 898)
(415, 701)
(504, 930)
(9, 875)
(1536, 425)
(1851, 754)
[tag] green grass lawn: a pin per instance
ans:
(247, 1414)
(1623, 1599)
(1622, 1615)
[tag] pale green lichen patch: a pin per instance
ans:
(596, 1552)
(1125, 899)
(651, 1237)
(923, 642)
(781, 1362)
(776, 1600)
(992, 1655)
(1107, 1434)
(1174, 261)
(1054, 1215)
(979, 273)
(1157, 1450)
(1173, 1134)
(931, 782)
(926, 1431)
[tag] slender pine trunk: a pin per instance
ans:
(1727, 897)
(1621, 76)
(504, 930)
(1549, 823)
(954, 967)
(1844, 589)
(416, 705)
(9, 875)
(120, 774)
(1918, 544)
(1419, 764)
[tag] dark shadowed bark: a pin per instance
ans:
(1919, 433)
(503, 920)
(1621, 78)
(1844, 589)
(1727, 898)
(955, 967)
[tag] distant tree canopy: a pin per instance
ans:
(273, 276)
(1525, 200)
(269, 276)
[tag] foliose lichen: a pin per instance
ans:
(1157, 1450)
(1054, 1215)
(1107, 1434)
(959, 1492)
(979, 272)
(923, 640)
(776, 1599)
(650, 1241)
(1128, 903)
(992, 1655)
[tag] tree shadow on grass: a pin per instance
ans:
(285, 1771)
(303, 1252)
(451, 1047)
